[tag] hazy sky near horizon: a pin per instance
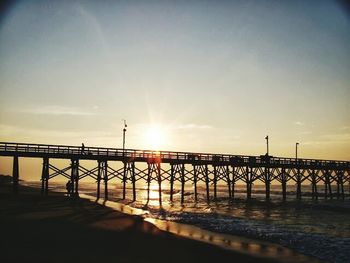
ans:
(205, 76)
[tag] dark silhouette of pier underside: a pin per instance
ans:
(182, 167)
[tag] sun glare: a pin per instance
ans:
(155, 138)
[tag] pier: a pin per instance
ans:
(183, 168)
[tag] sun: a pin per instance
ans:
(155, 137)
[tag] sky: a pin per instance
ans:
(202, 76)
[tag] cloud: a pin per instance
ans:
(344, 137)
(331, 139)
(12, 132)
(298, 123)
(56, 110)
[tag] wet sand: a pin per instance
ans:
(59, 229)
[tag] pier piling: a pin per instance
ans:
(215, 181)
(159, 178)
(298, 179)
(124, 178)
(133, 176)
(105, 178)
(45, 176)
(283, 178)
(182, 169)
(248, 181)
(233, 182)
(74, 176)
(267, 183)
(171, 181)
(207, 183)
(100, 172)
(182, 183)
(313, 185)
(15, 174)
(195, 176)
(228, 181)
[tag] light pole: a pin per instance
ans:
(124, 131)
(267, 145)
(296, 151)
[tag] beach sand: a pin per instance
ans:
(55, 228)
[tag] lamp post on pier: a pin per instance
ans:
(267, 145)
(296, 151)
(124, 131)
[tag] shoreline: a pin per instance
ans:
(237, 243)
(56, 228)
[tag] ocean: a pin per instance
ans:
(318, 228)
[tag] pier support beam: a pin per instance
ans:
(124, 178)
(98, 179)
(105, 179)
(200, 172)
(45, 177)
(159, 177)
(249, 190)
(330, 185)
(249, 182)
(284, 183)
(75, 177)
(195, 178)
(215, 181)
(221, 172)
(298, 180)
(207, 182)
(129, 172)
(133, 179)
(102, 173)
(42, 190)
(314, 185)
(182, 183)
(327, 185)
(340, 184)
(233, 182)
(177, 169)
(267, 180)
(172, 176)
(228, 181)
(15, 174)
(149, 179)
(284, 190)
(154, 167)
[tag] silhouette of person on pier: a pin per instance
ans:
(82, 148)
(69, 188)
